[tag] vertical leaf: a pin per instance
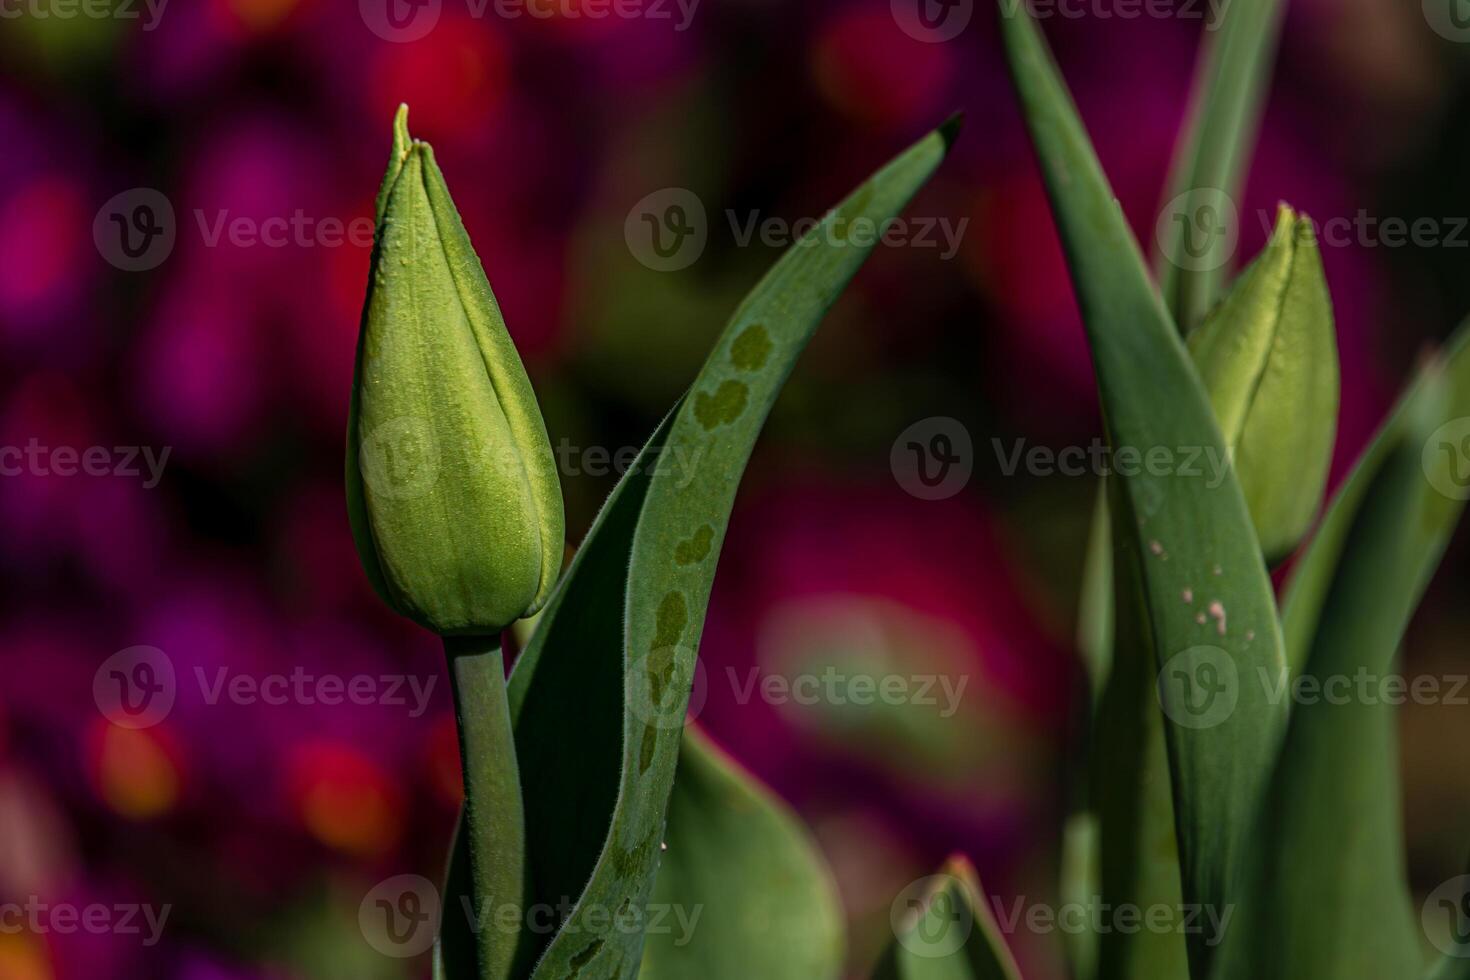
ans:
(1186, 533)
(1212, 154)
(1225, 108)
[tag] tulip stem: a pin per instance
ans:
(494, 816)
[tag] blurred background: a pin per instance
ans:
(183, 196)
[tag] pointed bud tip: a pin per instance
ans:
(402, 142)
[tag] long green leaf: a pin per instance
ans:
(1327, 891)
(1268, 358)
(1225, 108)
(598, 698)
(1131, 790)
(1213, 153)
(948, 933)
(742, 890)
(1184, 528)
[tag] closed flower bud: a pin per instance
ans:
(451, 484)
(1268, 357)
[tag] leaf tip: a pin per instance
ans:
(949, 131)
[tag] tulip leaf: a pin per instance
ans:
(948, 933)
(1181, 524)
(1131, 791)
(1213, 155)
(598, 699)
(1209, 167)
(742, 890)
(1330, 834)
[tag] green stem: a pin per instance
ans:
(494, 817)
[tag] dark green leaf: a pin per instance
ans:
(1208, 609)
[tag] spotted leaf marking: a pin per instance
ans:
(695, 549)
(751, 348)
(723, 407)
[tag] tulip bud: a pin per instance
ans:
(1268, 357)
(451, 484)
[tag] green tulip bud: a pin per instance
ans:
(1268, 357)
(451, 484)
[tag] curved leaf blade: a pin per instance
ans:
(742, 887)
(615, 650)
